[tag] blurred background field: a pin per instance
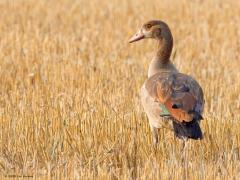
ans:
(69, 89)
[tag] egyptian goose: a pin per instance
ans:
(168, 93)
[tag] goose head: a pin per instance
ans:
(154, 29)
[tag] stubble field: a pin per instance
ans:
(69, 89)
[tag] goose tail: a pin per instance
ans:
(190, 130)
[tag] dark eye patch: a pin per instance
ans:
(148, 26)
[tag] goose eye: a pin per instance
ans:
(148, 26)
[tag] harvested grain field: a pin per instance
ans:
(69, 89)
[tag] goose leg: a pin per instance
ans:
(185, 158)
(154, 135)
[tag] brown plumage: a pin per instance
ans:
(166, 92)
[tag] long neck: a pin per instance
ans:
(161, 61)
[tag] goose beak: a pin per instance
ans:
(138, 36)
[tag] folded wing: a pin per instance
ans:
(179, 93)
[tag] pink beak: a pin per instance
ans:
(138, 36)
